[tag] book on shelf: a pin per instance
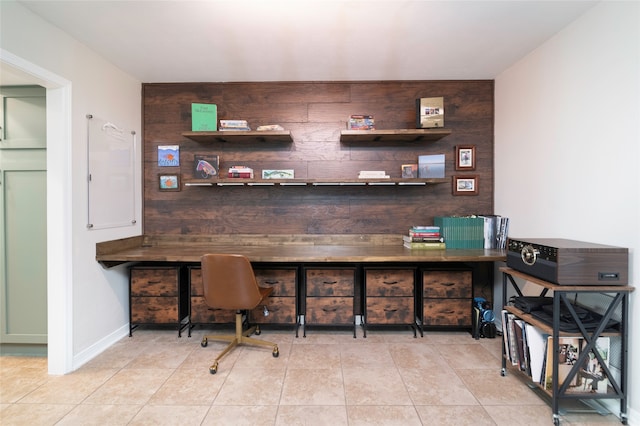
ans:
(206, 166)
(372, 174)
(240, 172)
(361, 122)
(204, 117)
(234, 125)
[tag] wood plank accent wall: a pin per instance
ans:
(315, 113)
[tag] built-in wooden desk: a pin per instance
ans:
(313, 256)
(282, 249)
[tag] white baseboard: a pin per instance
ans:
(100, 346)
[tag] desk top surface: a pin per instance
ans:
(130, 251)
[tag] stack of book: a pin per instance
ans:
(234, 125)
(424, 238)
(240, 172)
(373, 174)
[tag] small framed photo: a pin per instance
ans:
(465, 157)
(465, 185)
(169, 182)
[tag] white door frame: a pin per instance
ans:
(59, 212)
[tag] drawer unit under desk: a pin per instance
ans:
(389, 296)
(155, 295)
(200, 312)
(281, 303)
(447, 297)
(329, 295)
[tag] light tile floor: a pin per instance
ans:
(327, 378)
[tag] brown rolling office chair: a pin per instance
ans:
(229, 283)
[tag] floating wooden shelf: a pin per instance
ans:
(314, 182)
(394, 135)
(283, 136)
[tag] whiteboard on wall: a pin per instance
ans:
(110, 175)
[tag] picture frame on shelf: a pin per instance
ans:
(169, 182)
(465, 157)
(465, 185)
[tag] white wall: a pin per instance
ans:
(567, 156)
(88, 305)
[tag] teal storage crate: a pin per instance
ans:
(461, 232)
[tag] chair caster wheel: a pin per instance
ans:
(214, 368)
(276, 352)
(204, 342)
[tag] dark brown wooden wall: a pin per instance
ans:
(315, 113)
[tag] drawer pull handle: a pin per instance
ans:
(330, 282)
(271, 282)
(447, 284)
(330, 309)
(153, 309)
(390, 282)
(154, 282)
(391, 310)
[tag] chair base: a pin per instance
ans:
(240, 338)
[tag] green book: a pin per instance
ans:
(204, 117)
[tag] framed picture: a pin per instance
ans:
(169, 182)
(465, 157)
(465, 185)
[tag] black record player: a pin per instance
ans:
(569, 262)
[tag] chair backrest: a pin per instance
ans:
(229, 282)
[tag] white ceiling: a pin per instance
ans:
(310, 40)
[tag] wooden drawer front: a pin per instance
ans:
(330, 282)
(195, 282)
(203, 314)
(283, 281)
(390, 282)
(390, 310)
(282, 310)
(329, 310)
(451, 312)
(447, 284)
(154, 282)
(154, 310)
